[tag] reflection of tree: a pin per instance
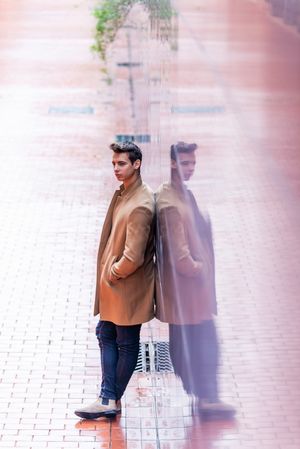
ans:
(111, 15)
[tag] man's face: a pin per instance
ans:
(123, 168)
(185, 165)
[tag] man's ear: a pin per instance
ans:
(137, 164)
(173, 164)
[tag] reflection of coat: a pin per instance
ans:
(126, 254)
(185, 286)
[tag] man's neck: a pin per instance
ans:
(176, 180)
(128, 182)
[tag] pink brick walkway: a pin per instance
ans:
(234, 87)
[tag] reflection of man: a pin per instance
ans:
(186, 285)
(125, 280)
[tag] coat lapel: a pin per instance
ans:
(106, 229)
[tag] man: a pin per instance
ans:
(185, 287)
(125, 280)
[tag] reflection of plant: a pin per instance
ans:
(112, 14)
(161, 16)
(160, 9)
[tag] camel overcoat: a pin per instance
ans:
(185, 277)
(125, 267)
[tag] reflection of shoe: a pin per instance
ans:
(102, 407)
(118, 406)
(216, 410)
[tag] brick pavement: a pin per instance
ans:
(234, 87)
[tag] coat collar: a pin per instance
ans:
(124, 193)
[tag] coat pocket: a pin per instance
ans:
(111, 279)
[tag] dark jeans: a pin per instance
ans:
(194, 353)
(119, 349)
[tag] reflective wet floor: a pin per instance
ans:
(226, 76)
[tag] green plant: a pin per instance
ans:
(111, 15)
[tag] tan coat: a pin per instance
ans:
(125, 268)
(185, 284)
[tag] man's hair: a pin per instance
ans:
(133, 151)
(182, 147)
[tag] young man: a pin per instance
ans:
(185, 287)
(125, 280)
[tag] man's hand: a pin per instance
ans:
(137, 234)
(112, 278)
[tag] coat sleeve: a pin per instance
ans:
(137, 235)
(173, 235)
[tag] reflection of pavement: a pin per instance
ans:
(234, 88)
(206, 435)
